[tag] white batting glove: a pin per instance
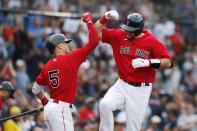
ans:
(111, 15)
(139, 63)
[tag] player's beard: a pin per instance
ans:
(130, 36)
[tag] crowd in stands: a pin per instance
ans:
(173, 101)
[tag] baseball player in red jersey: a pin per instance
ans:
(59, 75)
(137, 54)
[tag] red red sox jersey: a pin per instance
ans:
(124, 50)
(60, 73)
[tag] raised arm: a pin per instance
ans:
(109, 15)
(93, 35)
(81, 54)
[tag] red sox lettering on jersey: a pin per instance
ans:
(139, 52)
(142, 53)
(146, 47)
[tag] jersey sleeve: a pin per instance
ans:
(40, 79)
(108, 35)
(160, 50)
(81, 54)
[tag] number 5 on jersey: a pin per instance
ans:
(53, 78)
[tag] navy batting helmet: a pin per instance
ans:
(53, 40)
(6, 85)
(133, 23)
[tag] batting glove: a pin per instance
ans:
(87, 17)
(139, 63)
(111, 15)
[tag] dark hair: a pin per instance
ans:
(50, 47)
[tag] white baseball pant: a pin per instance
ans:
(58, 116)
(133, 99)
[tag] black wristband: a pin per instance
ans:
(155, 63)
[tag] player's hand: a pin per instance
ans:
(139, 63)
(87, 17)
(41, 109)
(111, 15)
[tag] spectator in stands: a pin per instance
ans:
(155, 122)
(8, 72)
(13, 124)
(87, 112)
(22, 78)
(187, 119)
(171, 122)
(8, 36)
(37, 32)
(40, 125)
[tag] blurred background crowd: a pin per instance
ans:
(173, 102)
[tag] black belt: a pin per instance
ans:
(137, 84)
(57, 101)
